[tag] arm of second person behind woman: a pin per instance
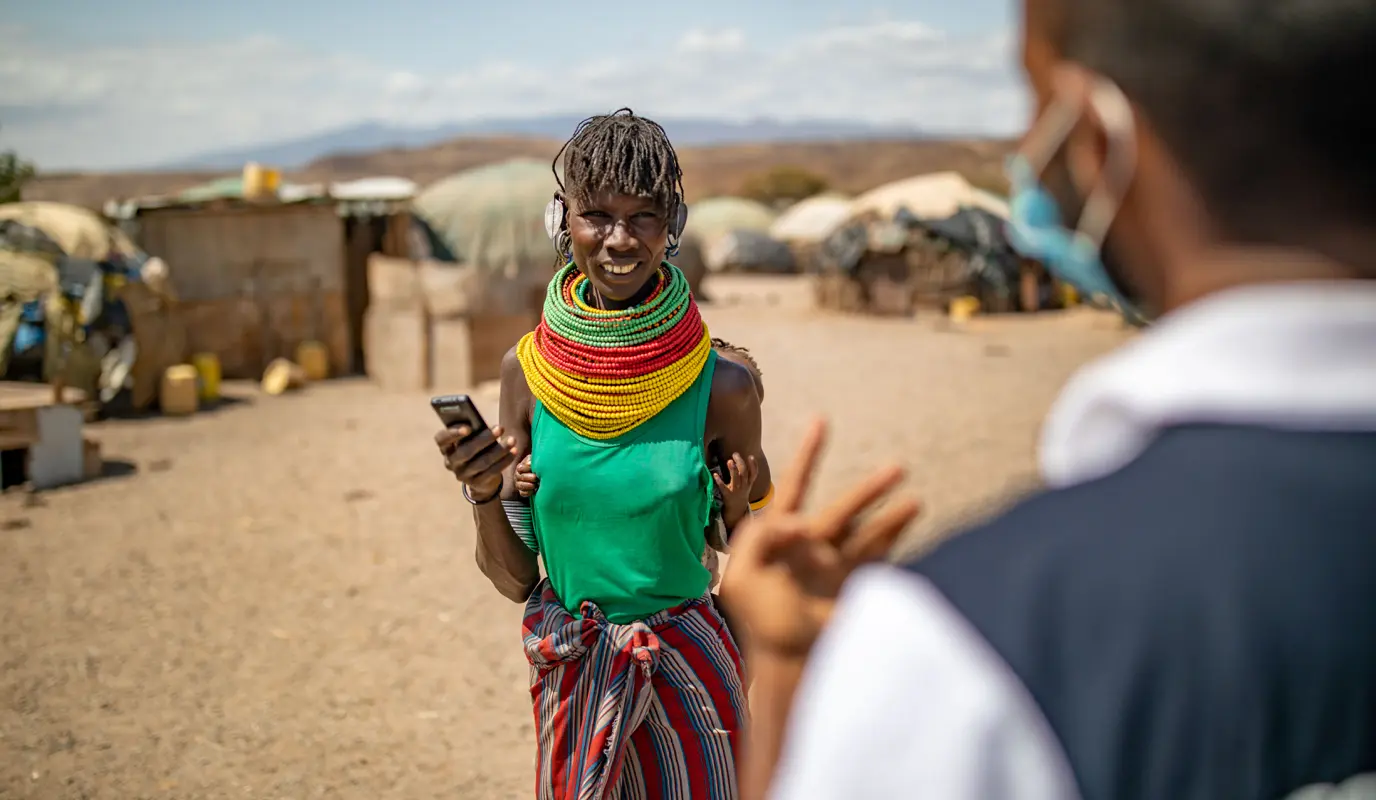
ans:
(735, 424)
(501, 555)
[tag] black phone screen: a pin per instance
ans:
(456, 410)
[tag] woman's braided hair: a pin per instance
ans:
(623, 154)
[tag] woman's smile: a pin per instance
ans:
(623, 277)
(620, 268)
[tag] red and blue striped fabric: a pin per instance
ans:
(651, 710)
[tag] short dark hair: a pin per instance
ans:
(723, 346)
(622, 153)
(1260, 101)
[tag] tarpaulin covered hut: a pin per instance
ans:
(812, 220)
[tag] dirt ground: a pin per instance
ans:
(278, 598)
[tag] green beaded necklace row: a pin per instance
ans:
(625, 328)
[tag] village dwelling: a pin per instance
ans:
(261, 270)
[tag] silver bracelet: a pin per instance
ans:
(471, 501)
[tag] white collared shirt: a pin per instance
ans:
(1289, 356)
(903, 698)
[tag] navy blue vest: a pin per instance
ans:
(1200, 624)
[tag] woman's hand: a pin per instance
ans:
(477, 463)
(787, 567)
(735, 493)
(526, 479)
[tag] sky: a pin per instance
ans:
(101, 85)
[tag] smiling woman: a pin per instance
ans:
(617, 397)
(620, 210)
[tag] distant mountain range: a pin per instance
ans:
(372, 136)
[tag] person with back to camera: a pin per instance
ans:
(1188, 612)
(617, 397)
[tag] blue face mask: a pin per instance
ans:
(1036, 228)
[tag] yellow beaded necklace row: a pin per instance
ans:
(603, 372)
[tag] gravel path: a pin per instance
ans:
(279, 600)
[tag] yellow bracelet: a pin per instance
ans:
(759, 505)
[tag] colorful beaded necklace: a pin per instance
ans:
(602, 373)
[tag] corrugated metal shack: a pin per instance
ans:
(256, 278)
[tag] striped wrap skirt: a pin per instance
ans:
(653, 709)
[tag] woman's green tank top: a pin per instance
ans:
(622, 521)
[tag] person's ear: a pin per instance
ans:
(563, 204)
(1101, 150)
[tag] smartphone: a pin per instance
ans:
(458, 409)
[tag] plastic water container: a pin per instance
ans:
(260, 182)
(282, 375)
(207, 367)
(179, 395)
(963, 308)
(314, 359)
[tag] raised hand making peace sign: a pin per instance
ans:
(787, 567)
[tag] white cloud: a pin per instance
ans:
(402, 83)
(859, 38)
(699, 40)
(128, 106)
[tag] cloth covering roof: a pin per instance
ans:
(715, 217)
(934, 196)
(811, 220)
(491, 217)
(81, 233)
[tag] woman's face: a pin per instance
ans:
(618, 241)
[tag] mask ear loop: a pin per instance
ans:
(1101, 208)
(1049, 134)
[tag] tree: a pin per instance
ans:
(14, 173)
(783, 185)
